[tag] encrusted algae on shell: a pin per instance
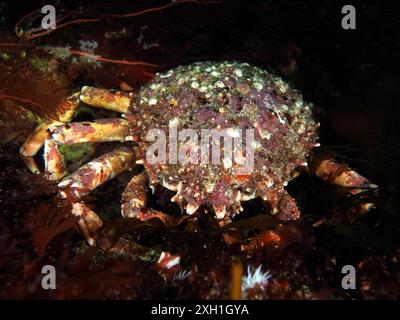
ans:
(222, 95)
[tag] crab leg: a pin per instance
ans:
(89, 221)
(79, 132)
(134, 200)
(96, 172)
(53, 161)
(102, 98)
(33, 144)
(89, 177)
(97, 131)
(36, 140)
(53, 133)
(328, 169)
(281, 202)
(134, 197)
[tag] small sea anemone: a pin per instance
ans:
(255, 278)
(181, 275)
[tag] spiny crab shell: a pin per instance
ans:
(226, 95)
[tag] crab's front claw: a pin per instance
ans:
(33, 144)
(38, 137)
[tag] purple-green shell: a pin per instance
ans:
(221, 95)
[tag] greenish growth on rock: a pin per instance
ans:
(39, 64)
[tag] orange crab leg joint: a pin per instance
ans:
(287, 207)
(265, 238)
(148, 213)
(96, 172)
(102, 98)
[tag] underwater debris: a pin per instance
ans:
(168, 264)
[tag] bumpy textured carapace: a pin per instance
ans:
(235, 97)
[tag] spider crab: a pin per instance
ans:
(228, 96)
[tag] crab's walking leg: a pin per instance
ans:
(54, 167)
(89, 177)
(134, 201)
(102, 98)
(53, 133)
(96, 172)
(281, 202)
(79, 132)
(134, 197)
(89, 221)
(327, 168)
(36, 140)
(97, 131)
